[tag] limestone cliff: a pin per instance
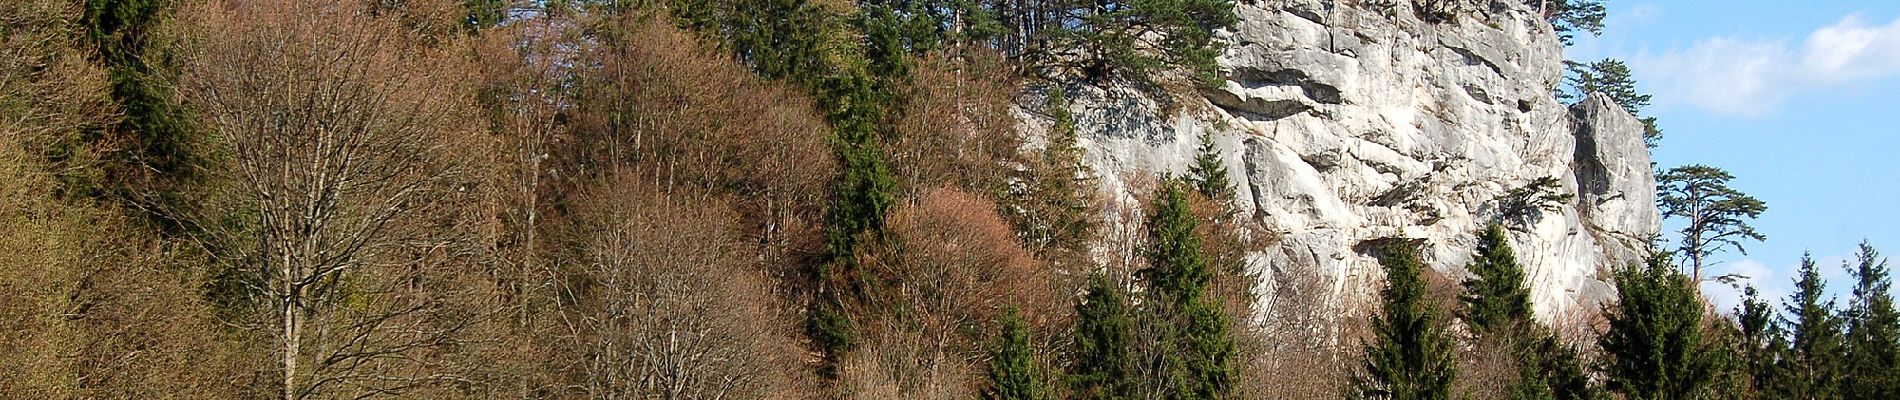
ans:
(1345, 123)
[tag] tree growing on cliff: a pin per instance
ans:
(1873, 331)
(1411, 356)
(1568, 17)
(1715, 216)
(1208, 174)
(1611, 77)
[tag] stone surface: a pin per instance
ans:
(1345, 124)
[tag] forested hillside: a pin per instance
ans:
(759, 199)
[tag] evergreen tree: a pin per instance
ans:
(1654, 348)
(1178, 275)
(1135, 40)
(1612, 78)
(155, 143)
(1548, 369)
(484, 13)
(1103, 365)
(1053, 208)
(1814, 338)
(1411, 357)
(1715, 215)
(1177, 269)
(1208, 174)
(1760, 342)
(1014, 374)
(1568, 17)
(1873, 331)
(1495, 299)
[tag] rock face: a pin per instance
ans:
(1344, 124)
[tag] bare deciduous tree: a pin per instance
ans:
(338, 132)
(671, 307)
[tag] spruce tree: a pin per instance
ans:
(1654, 348)
(1761, 342)
(1208, 174)
(1411, 357)
(1103, 365)
(1177, 269)
(1013, 373)
(1178, 276)
(1814, 338)
(1873, 331)
(1495, 298)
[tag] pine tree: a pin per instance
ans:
(1411, 357)
(1568, 17)
(1103, 365)
(1208, 174)
(1495, 299)
(1612, 78)
(1814, 338)
(1716, 216)
(1873, 331)
(1014, 374)
(1654, 348)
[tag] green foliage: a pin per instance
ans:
(1178, 276)
(1814, 338)
(1208, 352)
(1654, 349)
(780, 39)
(1873, 331)
(1412, 356)
(1715, 216)
(156, 139)
(1568, 17)
(1053, 208)
(1612, 78)
(1760, 341)
(1208, 174)
(1547, 369)
(1103, 367)
(1136, 40)
(484, 13)
(1013, 373)
(1177, 269)
(1495, 299)
(1526, 205)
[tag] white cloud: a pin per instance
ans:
(1751, 77)
(1851, 50)
(1749, 272)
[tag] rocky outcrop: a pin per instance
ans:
(1345, 125)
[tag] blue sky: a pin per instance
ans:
(1798, 99)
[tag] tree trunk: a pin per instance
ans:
(293, 337)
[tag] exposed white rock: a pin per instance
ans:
(1345, 124)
